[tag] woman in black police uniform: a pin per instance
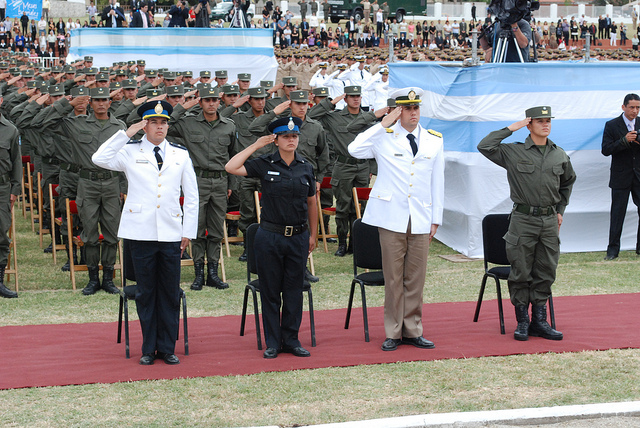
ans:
(284, 239)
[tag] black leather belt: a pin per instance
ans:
(534, 211)
(97, 176)
(203, 173)
(50, 161)
(69, 167)
(283, 230)
(350, 161)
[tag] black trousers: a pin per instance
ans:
(619, 202)
(281, 262)
(157, 270)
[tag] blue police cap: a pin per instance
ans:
(155, 109)
(285, 125)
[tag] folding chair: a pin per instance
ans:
(12, 258)
(254, 287)
(331, 211)
(367, 255)
(360, 194)
(53, 193)
(128, 292)
(25, 202)
(494, 227)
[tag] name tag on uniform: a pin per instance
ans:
(273, 173)
(398, 155)
(142, 161)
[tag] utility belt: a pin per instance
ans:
(283, 230)
(5, 178)
(350, 161)
(97, 175)
(534, 211)
(71, 167)
(203, 173)
(51, 161)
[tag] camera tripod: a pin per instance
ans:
(502, 46)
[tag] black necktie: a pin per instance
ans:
(412, 142)
(156, 149)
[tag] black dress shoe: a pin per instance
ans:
(270, 353)
(610, 257)
(418, 342)
(298, 351)
(49, 249)
(243, 256)
(332, 241)
(168, 358)
(309, 276)
(147, 359)
(390, 344)
(341, 251)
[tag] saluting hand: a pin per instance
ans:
(337, 99)
(139, 101)
(265, 140)
(78, 101)
(240, 101)
(381, 112)
(391, 118)
(280, 108)
(191, 103)
(520, 124)
(135, 128)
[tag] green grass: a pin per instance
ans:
(322, 395)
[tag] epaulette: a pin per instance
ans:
(177, 145)
(436, 133)
(134, 142)
(389, 130)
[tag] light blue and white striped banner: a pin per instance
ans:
(466, 103)
(236, 50)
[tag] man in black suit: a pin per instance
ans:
(141, 18)
(619, 141)
(112, 15)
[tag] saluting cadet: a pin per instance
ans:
(153, 223)
(211, 141)
(289, 83)
(540, 179)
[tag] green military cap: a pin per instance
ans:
(221, 74)
(153, 92)
(32, 84)
(121, 72)
(266, 84)
(320, 92)
(15, 73)
(204, 86)
(42, 85)
(131, 62)
(169, 75)
(102, 77)
(115, 64)
(88, 58)
(187, 74)
(178, 73)
(104, 69)
(299, 96)
(209, 92)
(99, 93)
(258, 92)
(162, 70)
(353, 90)
(13, 61)
(290, 81)
(56, 90)
(114, 86)
(44, 70)
(245, 77)
(4, 65)
(57, 69)
(205, 73)
(91, 71)
(230, 89)
(79, 91)
(129, 84)
(151, 73)
(112, 73)
(68, 69)
(28, 73)
(122, 63)
(141, 62)
(174, 91)
(538, 112)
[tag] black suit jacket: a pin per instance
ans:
(136, 21)
(625, 157)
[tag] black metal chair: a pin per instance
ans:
(366, 255)
(254, 287)
(128, 292)
(494, 227)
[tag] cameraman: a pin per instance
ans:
(520, 34)
(179, 14)
(203, 11)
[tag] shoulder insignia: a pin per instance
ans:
(134, 141)
(436, 133)
(389, 130)
(177, 145)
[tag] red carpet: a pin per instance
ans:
(65, 354)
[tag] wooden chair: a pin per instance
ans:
(25, 202)
(12, 259)
(33, 198)
(39, 216)
(360, 194)
(331, 211)
(231, 216)
(53, 193)
(72, 209)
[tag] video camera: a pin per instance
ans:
(508, 12)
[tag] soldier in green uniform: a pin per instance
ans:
(348, 172)
(211, 141)
(10, 178)
(540, 179)
(289, 83)
(99, 190)
(220, 79)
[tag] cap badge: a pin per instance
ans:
(291, 125)
(412, 95)
(158, 108)
(545, 111)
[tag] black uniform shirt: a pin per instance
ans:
(285, 188)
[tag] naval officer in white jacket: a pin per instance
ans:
(406, 204)
(153, 222)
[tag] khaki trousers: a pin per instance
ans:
(404, 263)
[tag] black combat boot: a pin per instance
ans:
(213, 280)
(243, 256)
(198, 283)
(309, 276)
(342, 248)
(4, 291)
(540, 327)
(107, 281)
(94, 281)
(522, 316)
(67, 266)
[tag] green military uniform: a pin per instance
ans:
(210, 145)
(99, 189)
(348, 172)
(540, 181)
(10, 178)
